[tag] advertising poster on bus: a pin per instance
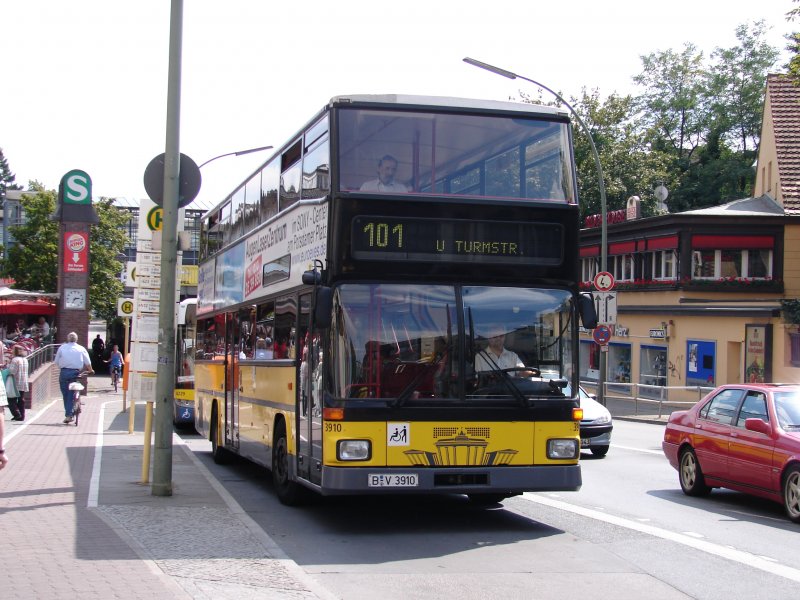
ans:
(276, 256)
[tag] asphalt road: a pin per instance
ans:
(628, 533)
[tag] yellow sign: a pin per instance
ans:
(155, 218)
(189, 274)
(124, 307)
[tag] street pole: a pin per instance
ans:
(604, 218)
(165, 384)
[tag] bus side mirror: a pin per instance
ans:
(587, 310)
(323, 308)
(312, 277)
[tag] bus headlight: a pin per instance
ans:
(353, 450)
(563, 448)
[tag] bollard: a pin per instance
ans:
(131, 415)
(148, 430)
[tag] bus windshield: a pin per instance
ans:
(416, 344)
(391, 151)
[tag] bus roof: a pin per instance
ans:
(449, 102)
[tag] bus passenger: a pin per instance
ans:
(264, 349)
(387, 168)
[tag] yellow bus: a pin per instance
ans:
(390, 303)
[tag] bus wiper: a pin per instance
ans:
(504, 377)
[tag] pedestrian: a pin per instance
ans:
(98, 347)
(72, 359)
(17, 383)
(3, 403)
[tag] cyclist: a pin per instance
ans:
(72, 359)
(116, 360)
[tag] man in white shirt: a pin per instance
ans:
(387, 168)
(72, 359)
(496, 356)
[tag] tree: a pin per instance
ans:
(33, 260)
(672, 103)
(6, 177)
(630, 167)
(793, 66)
(737, 80)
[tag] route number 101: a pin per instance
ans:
(379, 235)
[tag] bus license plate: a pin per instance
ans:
(392, 480)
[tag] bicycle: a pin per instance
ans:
(76, 387)
(115, 375)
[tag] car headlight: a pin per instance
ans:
(563, 448)
(601, 420)
(353, 450)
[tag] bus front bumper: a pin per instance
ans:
(451, 480)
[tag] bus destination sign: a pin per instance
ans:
(454, 240)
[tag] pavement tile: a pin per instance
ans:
(131, 544)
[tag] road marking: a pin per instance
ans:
(738, 556)
(28, 420)
(695, 535)
(646, 451)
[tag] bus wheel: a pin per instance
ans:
(218, 453)
(288, 491)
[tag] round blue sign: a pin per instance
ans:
(601, 334)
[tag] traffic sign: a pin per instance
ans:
(605, 304)
(601, 334)
(604, 281)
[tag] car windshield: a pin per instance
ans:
(787, 407)
(419, 343)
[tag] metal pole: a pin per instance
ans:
(601, 184)
(165, 384)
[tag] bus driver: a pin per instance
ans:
(387, 168)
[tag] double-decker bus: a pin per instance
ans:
(390, 304)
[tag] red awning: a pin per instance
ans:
(740, 242)
(27, 307)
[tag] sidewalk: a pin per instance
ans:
(76, 522)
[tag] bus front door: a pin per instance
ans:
(232, 382)
(309, 408)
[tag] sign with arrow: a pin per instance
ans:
(76, 252)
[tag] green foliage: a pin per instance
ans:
(791, 310)
(6, 176)
(33, 260)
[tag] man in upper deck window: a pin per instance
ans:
(387, 168)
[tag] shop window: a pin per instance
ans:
(621, 267)
(653, 371)
(589, 361)
(619, 367)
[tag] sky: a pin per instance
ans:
(85, 81)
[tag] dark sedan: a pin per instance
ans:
(742, 437)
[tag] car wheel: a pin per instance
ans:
(691, 475)
(791, 493)
(289, 492)
(218, 453)
(599, 451)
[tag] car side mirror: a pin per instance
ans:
(758, 425)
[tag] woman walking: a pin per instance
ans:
(18, 371)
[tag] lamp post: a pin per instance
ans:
(603, 216)
(237, 153)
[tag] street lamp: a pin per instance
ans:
(237, 153)
(603, 216)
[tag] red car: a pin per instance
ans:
(743, 437)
